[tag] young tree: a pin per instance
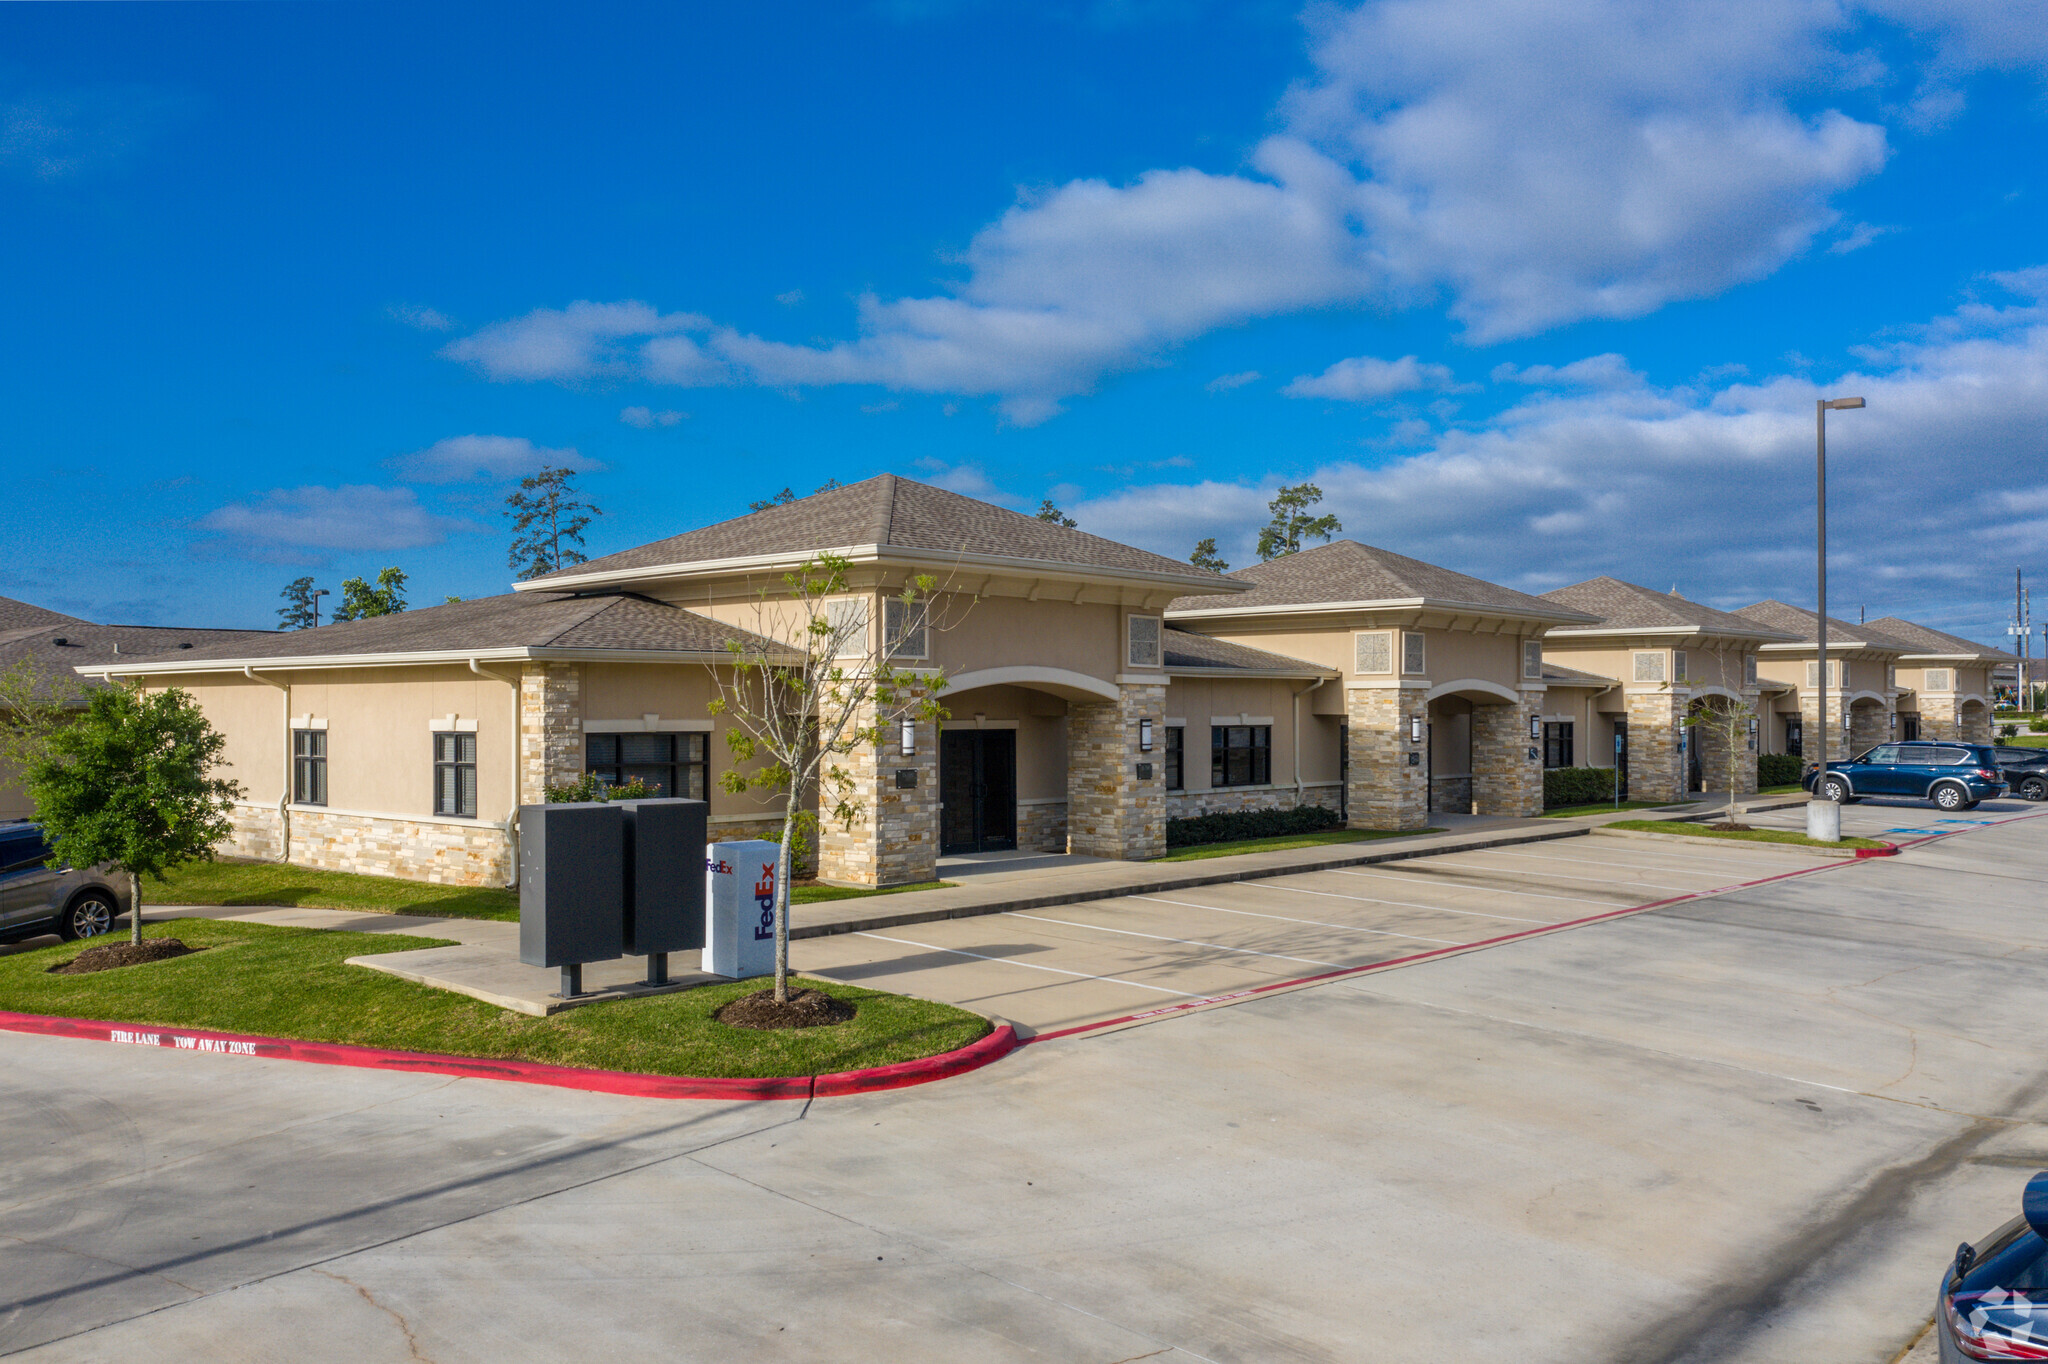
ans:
(1729, 723)
(818, 685)
(1048, 512)
(1292, 523)
(301, 609)
(548, 520)
(1205, 556)
(360, 601)
(129, 782)
(34, 704)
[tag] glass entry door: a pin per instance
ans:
(978, 790)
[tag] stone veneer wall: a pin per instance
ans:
(448, 853)
(893, 840)
(1809, 714)
(1712, 737)
(1654, 771)
(1042, 828)
(1232, 799)
(255, 833)
(1506, 780)
(1938, 717)
(550, 728)
(1387, 791)
(1452, 795)
(1975, 723)
(1111, 811)
(1869, 723)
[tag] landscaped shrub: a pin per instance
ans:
(2038, 725)
(2008, 731)
(588, 788)
(1779, 769)
(1577, 786)
(1237, 824)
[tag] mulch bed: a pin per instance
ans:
(1729, 826)
(805, 1009)
(107, 957)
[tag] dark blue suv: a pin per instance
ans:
(1953, 776)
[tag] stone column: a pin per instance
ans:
(1838, 735)
(1938, 719)
(1389, 787)
(893, 837)
(550, 728)
(1869, 724)
(1654, 769)
(1505, 779)
(1111, 810)
(1711, 734)
(1973, 723)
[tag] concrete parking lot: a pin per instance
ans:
(1747, 1126)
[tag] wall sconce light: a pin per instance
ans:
(1144, 736)
(1894, 718)
(909, 737)
(1415, 729)
(1535, 726)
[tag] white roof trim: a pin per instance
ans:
(1462, 608)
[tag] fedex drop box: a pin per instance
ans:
(739, 897)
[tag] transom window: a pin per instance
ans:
(309, 767)
(1240, 755)
(455, 775)
(669, 764)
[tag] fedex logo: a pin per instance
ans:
(764, 898)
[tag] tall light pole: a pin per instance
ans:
(1823, 816)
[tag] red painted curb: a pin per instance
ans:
(971, 1057)
(1888, 850)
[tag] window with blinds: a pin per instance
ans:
(1143, 637)
(1374, 652)
(1678, 665)
(1413, 658)
(455, 775)
(1240, 755)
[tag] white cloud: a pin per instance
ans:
(420, 317)
(459, 459)
(60, 134)
(310, 521)
(969, 480)
(1365, 377)
(1711, 487)
(646, 417)
(1595, 371)
(588, 340)
(1223, 383)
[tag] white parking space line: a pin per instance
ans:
(1632, 866)
(1411, 879)
(1412, 904)
(1562, 876)
(1160, 937)
(1029, 965)
(1286, 919)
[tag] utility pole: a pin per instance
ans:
(1823, 816)
(2023, 627)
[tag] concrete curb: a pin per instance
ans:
(998, 1044)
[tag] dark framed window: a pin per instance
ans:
(455, 775)
(1557, 743)
(1240, 755)
(670, 764)
(309, 767)
(1175, 756)
(1795, 736)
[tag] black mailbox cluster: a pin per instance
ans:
(603, 880)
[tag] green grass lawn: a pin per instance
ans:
(270, 883)
(2024, 740)
(1605, 807)
(1658, 826)
(1280, 842)
(290, 982)
(1791, 789)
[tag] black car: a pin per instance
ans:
(1954, 776)
(1993, 1302)
(2026, 770)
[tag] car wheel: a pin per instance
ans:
(1950, 797)
(89, 916)
(2034, 788)
(1836, 790)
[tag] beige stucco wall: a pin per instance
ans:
(1448, 655)
(380, 727)
(251, 718)
(1198, 700)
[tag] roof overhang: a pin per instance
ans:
(1443, 604)
(1299, 674)
(146, 667)
(1199, 582)
(1760, 635)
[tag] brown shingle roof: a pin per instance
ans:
(529, 620)
(1571, 677)
(1926, 641)
(1627, 606)
(1346, 571)
(1186, 649)
(20, 615)
(1804, 626)
(86, 644)
(893, 513)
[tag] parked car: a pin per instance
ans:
(2026, 770)
(1993, 1301)
(1954, 776)
(37, 897)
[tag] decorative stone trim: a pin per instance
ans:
(441, 852)
(1654, 770)
(1234, 799)
(550, 728)
(1042, 826)
(1507, 765)
(1713, 749)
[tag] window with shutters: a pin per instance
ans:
(1650, 666)
(1413, 659)
(309, 767)
(1532, 658)
(848, 617)
(1142, 635)
(1374, 652)
(455, 774)
(905, 622)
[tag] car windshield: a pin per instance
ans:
(2006, 1292)
(21, 848)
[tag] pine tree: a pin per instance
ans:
(301, 609)
(548, 520)
(1205, 556)
(1049, 513)
(1291, 522)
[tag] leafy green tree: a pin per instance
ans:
(1048, 512)
(301, 609)
(360, 601)
(548, 518)
(34, 704)
(1205, 556)
(1728, 722)
(1292, 523)
(130, 782)
(822, 688)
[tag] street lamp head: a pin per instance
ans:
(1841, 404)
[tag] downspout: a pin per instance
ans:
(284, 795)
(511, 821)
(1297, 736)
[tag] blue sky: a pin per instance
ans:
(1534, 291)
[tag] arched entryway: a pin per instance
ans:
(1478, 744)
(1003, 759)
